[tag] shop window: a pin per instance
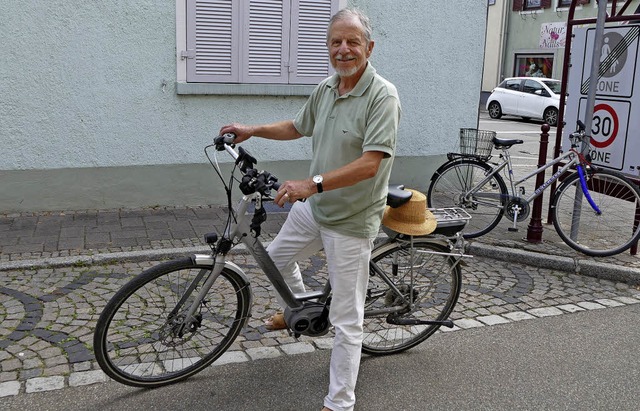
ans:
(534, 66)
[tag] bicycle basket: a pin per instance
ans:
(476, 143)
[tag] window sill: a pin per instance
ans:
(536, 11)
(567, 8)
(244, 89)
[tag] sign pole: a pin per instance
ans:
(595, 68)
(591, 101)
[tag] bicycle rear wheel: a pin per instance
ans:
(614, 230)
(451, 184)
(136, 341)
(432, 280)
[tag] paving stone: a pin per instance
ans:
(468, 323)
(518, 316)
(628, 300)
(44, 384)
(86, 377)
(609, 302)
(323, 343)
(260, 353)
(590, 305)
(297, 348)
(231, 357)
(10, 365)
(545, 311)
(492, 319)
(9, 388)
(571, 308)
(82, 366)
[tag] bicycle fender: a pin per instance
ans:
(206, 259)
(457, 160)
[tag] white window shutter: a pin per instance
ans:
(212, 41)
(309, 56)
(265, 40)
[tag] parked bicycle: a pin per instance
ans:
(178, 317)
(595, 211)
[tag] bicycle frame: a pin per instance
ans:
(573, 160)
(514, 184)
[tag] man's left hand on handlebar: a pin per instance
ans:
(294, 190)
(242, 132)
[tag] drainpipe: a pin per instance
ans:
(503, 39)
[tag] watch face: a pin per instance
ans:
(317, 179)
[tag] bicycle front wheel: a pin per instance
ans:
(419, 283)
(458, 184)
(612, 231)
(139, 340)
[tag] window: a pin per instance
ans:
(533, 65)
(532, 4)
(567, 3)
(257, 41)
(531, 86)
(520, 5)
(510, 84)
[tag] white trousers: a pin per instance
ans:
(348, 266)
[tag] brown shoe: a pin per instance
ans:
(276, 322)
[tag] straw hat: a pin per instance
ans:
(411, 218)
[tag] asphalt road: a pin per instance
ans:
(581, 361)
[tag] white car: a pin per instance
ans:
(526, 97)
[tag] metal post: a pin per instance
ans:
(591, 101)
(534, 231)
(595, 68)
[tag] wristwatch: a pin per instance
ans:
(318, 180)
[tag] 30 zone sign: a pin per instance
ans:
(605, 126)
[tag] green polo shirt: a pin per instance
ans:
(342, 128)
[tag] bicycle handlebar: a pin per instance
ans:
(252, 180)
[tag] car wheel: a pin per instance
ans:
(550, 116)
(495, 111)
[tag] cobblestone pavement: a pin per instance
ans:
(47, 315)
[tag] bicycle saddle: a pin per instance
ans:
(505, 142)
(397, 195)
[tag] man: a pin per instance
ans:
(352, 118)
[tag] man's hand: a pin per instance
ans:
(241, 131)
(293, 190)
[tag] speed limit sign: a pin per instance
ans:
(605, 126)
(614, 131)
(608, 131)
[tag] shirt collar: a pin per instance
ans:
(361, 86)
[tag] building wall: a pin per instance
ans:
(497, 26)
(90, 116)
(523, 36)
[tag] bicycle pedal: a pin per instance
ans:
(512, 229)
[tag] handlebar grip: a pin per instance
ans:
(226, 138)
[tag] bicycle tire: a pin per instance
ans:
(609, 233)
(448, 188)
(435, 293)
(134, 342)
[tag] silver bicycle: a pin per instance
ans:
(178, 317)
(595, 211)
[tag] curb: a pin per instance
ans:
(586, 267)
(102, 258)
